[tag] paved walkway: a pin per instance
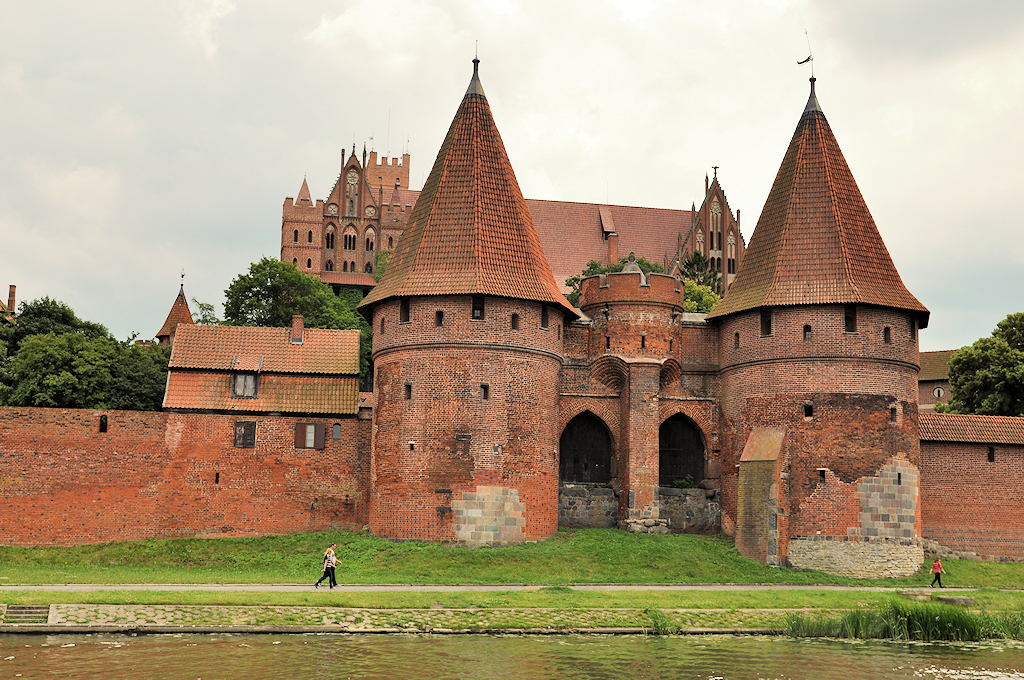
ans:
(296, 588)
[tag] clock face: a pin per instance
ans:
(353, 177)
(371, 211)
(332, 209)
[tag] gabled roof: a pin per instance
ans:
(816, 242)
(179, 314)
(470, 231)
(935, 365)
(251, 348)
(950, 427)
(275, 394)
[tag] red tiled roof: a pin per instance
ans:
(250, 348)
(470, 230)
(179, 314)
(572, 234)
(763, 443)
(949, 427)
(349, 278)
(935, 365)
(277, 393)
(816, 242)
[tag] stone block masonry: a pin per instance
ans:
(582, 507)
(63, 481)
(492, 515)
(857, 559)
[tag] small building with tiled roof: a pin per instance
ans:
(247, 369)
(933, 379)
(179, 314)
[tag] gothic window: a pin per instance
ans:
(295, 261)
(309, 264)
(329, 241)
(368, 268)
(391, 243)
(344, 266)
(371, 238)
(329, 266)
(295, 236)
(350, 238)
(585, 451)
(700, 243)
(732, 253)
(351, 266)
(716, 225)
(309, 237)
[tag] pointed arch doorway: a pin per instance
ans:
(585, 451)
(681, 451)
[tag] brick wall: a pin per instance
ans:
(969, 504)
(166, 474)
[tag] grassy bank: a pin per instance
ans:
(576, 556)
(910, 621)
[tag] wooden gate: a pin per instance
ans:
(680, 451)
(585, 451)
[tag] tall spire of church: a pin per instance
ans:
(470, 230)
(304, 193)
(816, 242)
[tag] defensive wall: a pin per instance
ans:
(63, 481)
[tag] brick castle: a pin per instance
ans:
(788, 418)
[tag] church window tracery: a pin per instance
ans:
(369, 268)
(329, 266)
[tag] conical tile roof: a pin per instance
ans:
(816, 242)
(470, 230)
(304, 192)
(179, 314)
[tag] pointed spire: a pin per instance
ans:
(815, 242)
(470, 231)
(474, 83)
(304, 193)
(179, 314)
(812, 101)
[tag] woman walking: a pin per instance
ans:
(938, 571)
(330, 562)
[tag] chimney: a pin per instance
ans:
(298, 329)
(10, 299)
(613, 249)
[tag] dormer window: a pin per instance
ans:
(244, 385)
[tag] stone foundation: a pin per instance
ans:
(593, 508)
(691, 511)
(856, 559)
(492, 515)
(645, 526)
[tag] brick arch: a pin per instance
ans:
(683, 449)
(605, 409)
(670, 373)
(610, 371)
(702, 413)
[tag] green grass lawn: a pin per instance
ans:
(571, 557)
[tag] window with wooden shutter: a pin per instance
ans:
(319, 435)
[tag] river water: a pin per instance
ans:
(414, 657)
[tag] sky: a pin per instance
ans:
(142, 139)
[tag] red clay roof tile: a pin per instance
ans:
(250, 348)
(179, 314)
(949, 427)
(935, 365)
(277, 393)
(816, 242)
(470, 230)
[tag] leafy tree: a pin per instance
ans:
(383, 257)
(205, 314)
(595, 267)
(272, 291)
(697, 268)
(139, 377)
(698, 298)
(987, 378)
(45, 315)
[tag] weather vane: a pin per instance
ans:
(810, 54)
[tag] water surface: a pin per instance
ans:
(415, 657)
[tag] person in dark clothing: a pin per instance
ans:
(330, 562)
(938, 571)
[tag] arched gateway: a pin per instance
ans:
(680, 451)
(585, 451)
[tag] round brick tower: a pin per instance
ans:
(467, 344)
(819, 362)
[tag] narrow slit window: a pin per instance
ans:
(382, 326)
(887, 335)
(544, 317)
(403, 310)
(439, 318)
(807, 333)
(991, 454)
(766, 322)
(643, 342)
(295, 236)
(808, 411)
(670, 344)
(309, 264)
(478, 307)
(821, 476)
(559, 331)
(607, 342)
(850, 318)
(408, 390)
(336, 432)
(103, 423)
(913, 330)
(515, 322)
(892, 414)
(216, 478)
(485, 391)
(309, 237)
(899, 479)
(736, 340)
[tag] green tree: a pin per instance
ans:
(139, 377)
(698, 298)
(697, 268)
(595, 267)
(272, 291)
(45, 315)
(987, 378)
(205, 314)
(383, 257)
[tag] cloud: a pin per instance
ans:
(201, 18)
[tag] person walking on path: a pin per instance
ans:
(330, 562)
(938, 571)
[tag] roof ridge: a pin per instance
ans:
(834, 203)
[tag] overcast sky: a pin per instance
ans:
(138, 139)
